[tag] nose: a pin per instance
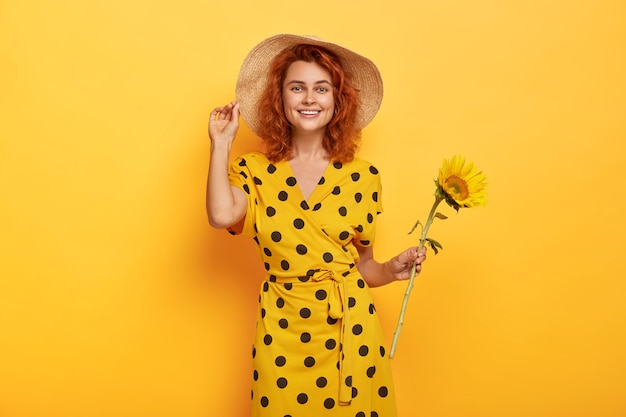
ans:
(308, 98)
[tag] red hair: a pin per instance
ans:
(342, 135)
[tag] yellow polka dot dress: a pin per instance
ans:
(318, 348)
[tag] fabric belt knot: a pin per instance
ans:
(338, 309)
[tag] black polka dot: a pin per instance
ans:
(266, 286)
(281, 382)
(305, 337)
(370, 218)
(320, 294)
(302, 398)
(253, 352)
(355, 176)
(360, 283)
(359, 228)
(351, 302)
(309, 361)
(267, 339)
(276, 236)
(284, 265)
(321, 181)
(364, 350)
(317, 206)
(270, 211)
(271, 168)
(280, 302)
(291, 181)
(298, 223)
(364, 242)
(343, 211)
(305, 313)
(301, 249)
(282, 196)
(372, 308)
(360, 414)
(304, 205)
(288, 285)
(255, 375)
(265, 401)
(329, 403)
(283, 323)
(344, 235)
(382, 351)
(267, 252)
(383, 391)
(328, 257)
(375, 196)
(337, 164)
(355, 392)
(373, 170)
(330, 344)
(246, 188)
(358, 197)
(257, 181)
(336, 190)
(321, 382)
(263, 312)
(357, 329)
(348, 381)
(331, 320)
(371, 371)
(280, 361)
(267, 266)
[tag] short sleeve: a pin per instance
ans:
(241, 177)
(366, 229)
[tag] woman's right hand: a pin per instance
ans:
(224, 123)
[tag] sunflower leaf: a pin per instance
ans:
(434, 245)
(417, 223)
(440, 216)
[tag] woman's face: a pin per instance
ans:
(308, 99)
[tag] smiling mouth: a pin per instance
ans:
(309, 112)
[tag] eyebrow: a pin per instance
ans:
(315, 83)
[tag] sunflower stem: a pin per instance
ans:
(431, 216)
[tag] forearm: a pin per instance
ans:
(376, 274)
(221, 203)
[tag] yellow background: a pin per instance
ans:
(117, 299)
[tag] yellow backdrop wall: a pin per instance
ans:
(117, 299)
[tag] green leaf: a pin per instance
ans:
(417, 223)
(434, 245)
(440, 216)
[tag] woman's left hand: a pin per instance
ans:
(400, 266)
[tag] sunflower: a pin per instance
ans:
(461, 184)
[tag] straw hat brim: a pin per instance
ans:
(253, 77)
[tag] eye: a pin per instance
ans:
(296, 89)
(322, 90)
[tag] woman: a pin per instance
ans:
(311, 207)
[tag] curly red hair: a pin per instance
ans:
(342, 135)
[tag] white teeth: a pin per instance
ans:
(309, 112)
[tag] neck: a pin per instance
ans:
(308, 147)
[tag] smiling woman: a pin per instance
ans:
(311, 207)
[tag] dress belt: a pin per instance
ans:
(338, 309)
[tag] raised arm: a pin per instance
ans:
(397, 268)
(225, 204)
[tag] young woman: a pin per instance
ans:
(311, 207)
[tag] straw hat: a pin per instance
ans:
(253, 76)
